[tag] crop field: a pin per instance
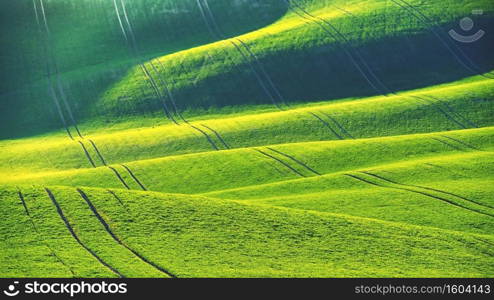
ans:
(246, 138)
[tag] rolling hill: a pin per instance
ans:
(219, 138)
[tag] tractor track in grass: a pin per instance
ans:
(216, 33)
(447, 144)
(488, 243)
(56, 73)
(295, 160)
(208, 138)
(452, 110)
(440, 110)
(64, 99)
(76, 237)
(102, 159)
(384, 90)
(274, 166)
(436, 102)
(263, 78)
(311, 113)
(169, 93)
(134, 177)
(445, 200)
(430, 189)
(325, 124)
(26, 210)
(354, 56)
(273, 86)
(63, 95)
(114, 171)
(46, 49)
(342, 129)
(267, 81)
(165, 88)
(438, 33)
(156, 89)
(119, 177)
(280, 161)
(114, 195)
(131, 43)
(217, 135)
(87, 154)
(263, 70)
(171, 97)
(485, 242)
(461, 142)
(52, 91)
(21, 197)
(117, 239)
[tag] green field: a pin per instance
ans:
(260, 138)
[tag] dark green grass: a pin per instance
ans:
(102, 81)
(91, 52)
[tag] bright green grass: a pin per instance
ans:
(466, 207)
(213, 171)
(254, 241)
(411, 159)
(390, 116)
(26, 252)
(22, 243)
(287, 48)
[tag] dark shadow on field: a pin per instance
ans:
(86, 45)
(305, 73)
(326, 73)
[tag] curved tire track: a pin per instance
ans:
(87, 154)
(76, 237)
(134, 177)
(415, 12)
(117, 239)
(448, 201)
(217, 135)
(21, 197)
(280, 161)
(430, 189)
(119, 177)
(295, 160)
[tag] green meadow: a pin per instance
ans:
(260, 138)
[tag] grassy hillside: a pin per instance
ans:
(310, 51)
(80, 43)
(216, 138)
(245, 240)
(459, 106)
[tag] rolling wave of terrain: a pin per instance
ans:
(246, 138)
